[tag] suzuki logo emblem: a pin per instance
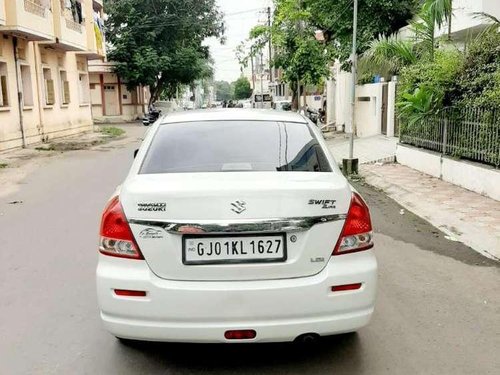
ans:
(239, 206)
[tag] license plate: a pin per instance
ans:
(233, 249)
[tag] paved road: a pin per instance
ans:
(438, 310)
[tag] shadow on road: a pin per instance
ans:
(329, 355)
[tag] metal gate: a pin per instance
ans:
(385, 97)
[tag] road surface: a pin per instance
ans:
(438, 308)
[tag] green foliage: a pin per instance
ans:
(159, 42)
(478, 83)
(439, 10)
(297, 52)
(242, 89)
(223, 91)
(432, 15)
(438, 76)
(386, 56)
(112, 131)
(3, 165)
(375, 17)
(414, 107)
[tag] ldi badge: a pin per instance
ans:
(151, 207)
(324, 203)
(151, 234)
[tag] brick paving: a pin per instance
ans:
(461, 214)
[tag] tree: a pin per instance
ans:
(375, 17)
(390, 54)
(242, 89)
(223, 91)
(297, 53)
(158, 43)
(432, 14)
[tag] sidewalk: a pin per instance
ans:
(462, 215)
(367, 150)
(16, 164)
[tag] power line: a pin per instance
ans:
(243, 12)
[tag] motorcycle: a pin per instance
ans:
(151, 117)
(313, 115)
(322, 116)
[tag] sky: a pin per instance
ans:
(241, 16)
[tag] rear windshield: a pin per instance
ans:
(234, 146)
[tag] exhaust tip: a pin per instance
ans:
(307, 339)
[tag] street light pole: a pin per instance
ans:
(261, 80)
(270, 44)
(350, 166)
(299, 29)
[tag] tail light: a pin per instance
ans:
(357, 234)
(116, 237)
(244, 334)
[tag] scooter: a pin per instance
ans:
(151, 117)
(322, 116)
(313, 115)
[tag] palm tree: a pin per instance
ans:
(393, 53)
(494, 22)
(390, 54)
(432, 16)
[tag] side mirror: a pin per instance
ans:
(135, 153)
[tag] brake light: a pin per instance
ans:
(130, 293)
(242, 334)
(346, 287)
(357, 234)
(116, 237)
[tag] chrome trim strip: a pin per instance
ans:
(297, 224)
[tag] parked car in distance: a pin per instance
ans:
(235, 226)
(246, 103)
(282, 105)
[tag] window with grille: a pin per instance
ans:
(4, 88)
(84, 88)
(50, 95)
(65, 92)
(27, 86)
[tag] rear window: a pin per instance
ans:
(234, 146)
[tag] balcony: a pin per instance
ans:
(73, 34)
(27, 18)
(95, 33)
(70, 29)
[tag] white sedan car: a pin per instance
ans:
(235, 226)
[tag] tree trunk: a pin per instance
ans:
(304, 94)
(295, 97)
(156, 91)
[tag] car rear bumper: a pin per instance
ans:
(278, 310)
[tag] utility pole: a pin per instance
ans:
(299, 31)
(253, 72)
(350, 166)
(261, 80)
(270, 44)
(20, 91)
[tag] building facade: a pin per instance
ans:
(110, 98)
(45, 46)
(465, 22)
